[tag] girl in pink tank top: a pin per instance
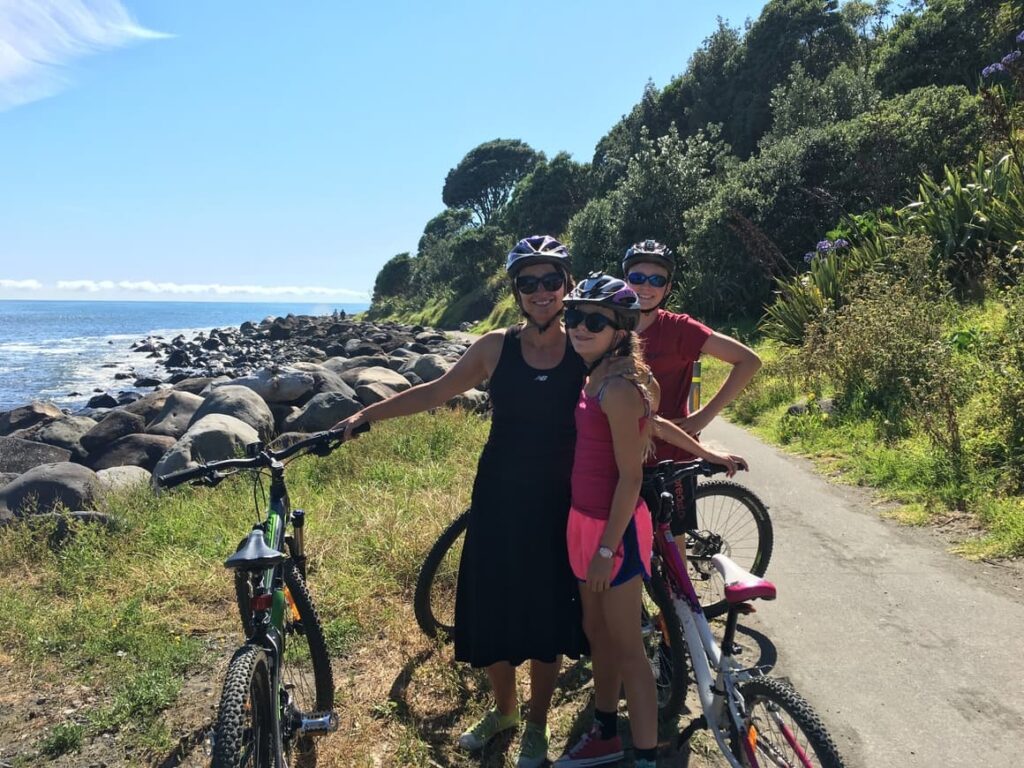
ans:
(609, 532)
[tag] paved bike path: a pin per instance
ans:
(911, 655)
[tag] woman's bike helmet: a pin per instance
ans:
(537, 249)
(601, 290)
(651, 252)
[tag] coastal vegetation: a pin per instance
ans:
(843, 180)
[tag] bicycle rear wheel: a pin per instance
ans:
(306, 668)
(243, 734)
(783, 729)
(434, 600)
(731, 521)
(665, 646)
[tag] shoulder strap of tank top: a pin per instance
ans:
(643, 395)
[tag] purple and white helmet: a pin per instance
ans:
(537, 249)
(603, 290)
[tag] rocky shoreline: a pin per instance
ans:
(213, 394)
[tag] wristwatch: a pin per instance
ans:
(606, 552)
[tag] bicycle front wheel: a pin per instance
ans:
(731, 521)
(782, 729)
(243, 735)
(434, 601)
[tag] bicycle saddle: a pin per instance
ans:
(254, 554)
(741, 585)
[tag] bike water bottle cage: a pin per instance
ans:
(254, 554)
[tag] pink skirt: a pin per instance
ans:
(583, 535)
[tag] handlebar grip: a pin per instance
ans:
(181, 476)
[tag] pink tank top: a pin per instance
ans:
(594, 471)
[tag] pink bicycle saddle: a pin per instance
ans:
(740, 585)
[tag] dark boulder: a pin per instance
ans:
(17, 455)
(28, 416)
(138, 450)
(47, 486)
(114, 426)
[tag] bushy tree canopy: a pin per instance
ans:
(548, 196)
(484, 179)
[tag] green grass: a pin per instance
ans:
(134, 614)
(908, 468)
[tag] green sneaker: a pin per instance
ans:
(533, 746)
(486, 728)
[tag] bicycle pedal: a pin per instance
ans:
(319, 722)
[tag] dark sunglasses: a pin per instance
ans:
(552, 281)
(639, 278)
(592, 321)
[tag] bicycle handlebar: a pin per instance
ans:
(263, 459)
(670, 471)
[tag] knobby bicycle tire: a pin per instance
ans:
(665, 647)
(768, 702)
(243, 734)
(428, 611)
(735, 514)
(306, 669)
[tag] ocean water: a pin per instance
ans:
(64, 350)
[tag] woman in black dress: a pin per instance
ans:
(516, 598)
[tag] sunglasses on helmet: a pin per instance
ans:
(552, 281)
(594, 322)
(639, 278)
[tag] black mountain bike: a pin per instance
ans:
(279, 688)
(730, 519)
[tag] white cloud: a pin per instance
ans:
(21, 285)
(39, 38)
(205, 289)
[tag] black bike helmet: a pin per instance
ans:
(598, 289)
(649, 252)
(537, 249)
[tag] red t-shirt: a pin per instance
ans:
(672, 344)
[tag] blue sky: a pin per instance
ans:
(255, 151)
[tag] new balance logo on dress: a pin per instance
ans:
(541, 377)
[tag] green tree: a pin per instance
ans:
(946, 42)
(594, 240)
(548, 196)
(484, 179)
(393, 278)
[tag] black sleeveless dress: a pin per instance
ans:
(517, 598)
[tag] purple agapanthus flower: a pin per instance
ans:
(841, 243)
(1011, 57)
(809, 257)
(1020, 36)
(824, 245)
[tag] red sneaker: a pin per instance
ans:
(591, 749)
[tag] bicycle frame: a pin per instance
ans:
(717, 673)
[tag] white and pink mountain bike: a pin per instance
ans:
(756, 720)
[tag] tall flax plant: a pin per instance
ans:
(807, 298)
(976, 220)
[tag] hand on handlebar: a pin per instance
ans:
(349, 425)
(731, 462)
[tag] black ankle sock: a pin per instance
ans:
(607, 722)
(645, 754)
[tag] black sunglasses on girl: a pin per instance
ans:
(592, 321)
(552, 281)
(639, 278)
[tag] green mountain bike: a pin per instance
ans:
(279, 689)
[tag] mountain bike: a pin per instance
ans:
(279, 689)
(756, 720)
(729, 519)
